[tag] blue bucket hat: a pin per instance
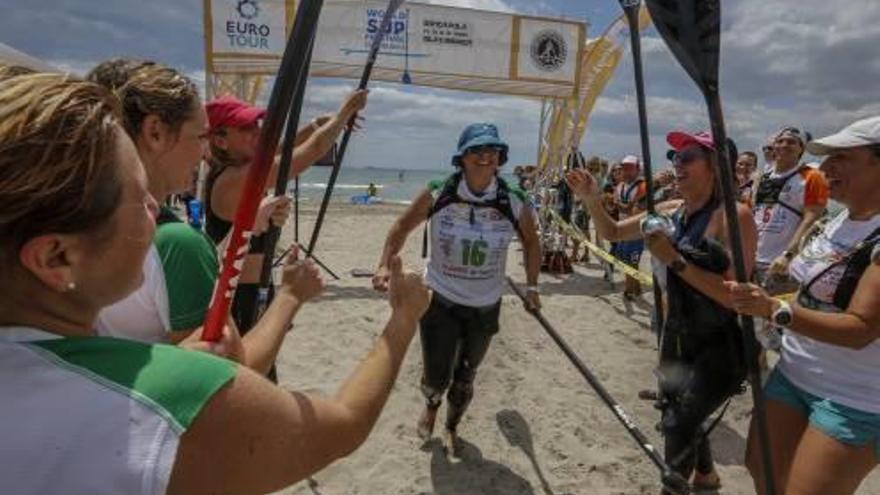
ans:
(482, 134)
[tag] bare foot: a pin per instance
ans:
(425, 427)
(708, 482)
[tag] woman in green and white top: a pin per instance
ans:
(87, 415)
(165, 119)
(474, 216)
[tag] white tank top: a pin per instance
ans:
(96, 415)
(468, 260)
(848, 376)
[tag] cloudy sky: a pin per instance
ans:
(810, 63)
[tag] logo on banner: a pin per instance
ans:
(395, 35)
(549, 51)
(248, 9)
(242, 32)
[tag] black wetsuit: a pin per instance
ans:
(245, 304)
(702, 359)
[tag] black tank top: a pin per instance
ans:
(216, 227)
(691, 312)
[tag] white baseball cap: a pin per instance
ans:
(864, 132)
(630, 159)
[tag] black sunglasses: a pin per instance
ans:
(689, 155)
(486, 148)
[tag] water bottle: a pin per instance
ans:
(194, 213)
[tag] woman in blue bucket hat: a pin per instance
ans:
(474, 215)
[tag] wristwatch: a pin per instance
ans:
(678, 265)
(782, 316)
(789, 255)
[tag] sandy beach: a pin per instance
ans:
(534, 427)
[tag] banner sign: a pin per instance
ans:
(426, 45)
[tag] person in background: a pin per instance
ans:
(823, 398)
(664, 181)
(768, 150)
(788, 200)
(234, 135)
(371, 190)
(746, 168)
(84, 414)
(630, 195)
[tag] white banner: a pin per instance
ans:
(426, 45)
(247, 29)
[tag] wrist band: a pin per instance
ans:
(532, 288)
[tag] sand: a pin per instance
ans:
(534, 427)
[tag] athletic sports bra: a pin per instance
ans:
(216, 227)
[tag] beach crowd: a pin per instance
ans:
(107, 385)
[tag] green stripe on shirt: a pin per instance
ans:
(174, 382)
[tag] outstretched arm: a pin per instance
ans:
(585, 186)
(411, 218)
(280, 438)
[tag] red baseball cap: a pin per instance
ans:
(679, 140)
(229, 111)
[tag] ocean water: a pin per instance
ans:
(394, 185)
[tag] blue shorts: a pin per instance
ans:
(842, 423)
(630, 252)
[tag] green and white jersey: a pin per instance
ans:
(96, 415)
(180, 271)
(468, 260)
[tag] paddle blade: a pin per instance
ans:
(692, 30)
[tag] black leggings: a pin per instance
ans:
(454, 339)
(697, 376)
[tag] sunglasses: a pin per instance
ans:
(486, 148)
(688, 156)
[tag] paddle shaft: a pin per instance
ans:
(594, 382)
(281, 182)
(343, 145)
(631, 9)
(750, 345)
(291, 69)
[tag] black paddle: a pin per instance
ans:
(283, 178)
(290, 72)
(672, 481)
(692, 30)
(631, 9)
(392, 7)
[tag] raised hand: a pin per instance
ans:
(353, 103)
(381, 279)
(229, 346)
(407, 291)
(301, 279)
(582, 183)
(274, 209)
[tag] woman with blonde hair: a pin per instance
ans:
(84, 414)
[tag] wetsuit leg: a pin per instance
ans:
(479, 327)
(440, 331)
(707, 382)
